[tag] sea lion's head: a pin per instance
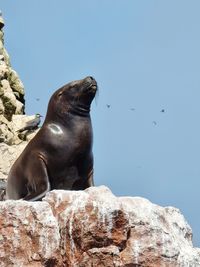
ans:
(74, 97)
(80, 92)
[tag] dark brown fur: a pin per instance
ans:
(60, 155)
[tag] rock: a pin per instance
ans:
(19, 107)
(29, 235)
(3, 69)
(1, 20)
(94, 228)
(8, 99)
(20, 121)
(15, 82)
(9, 129)
(99, 228)
(11, 87)
(6, 133)
(2, 108)
(8, 156)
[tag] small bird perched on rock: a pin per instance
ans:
(32, 124)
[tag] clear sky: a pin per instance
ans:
(145, 56)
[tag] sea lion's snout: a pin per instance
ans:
(91, 83)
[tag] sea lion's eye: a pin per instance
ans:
(71, 86)
(60, 94)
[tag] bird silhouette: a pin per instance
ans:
(32, 124)
(108, 106)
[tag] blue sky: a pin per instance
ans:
(145, 56)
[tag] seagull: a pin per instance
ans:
(162, 110)
(32, 124)
(108, 106)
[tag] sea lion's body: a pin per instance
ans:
(60, 155)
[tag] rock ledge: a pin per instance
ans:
(94, 228)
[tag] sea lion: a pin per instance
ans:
(60, 155)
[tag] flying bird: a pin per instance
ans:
(108, 106)
(154, 122)
(162, 110)
(132, 109)
(32, 124)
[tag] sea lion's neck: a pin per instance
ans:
(80, 110)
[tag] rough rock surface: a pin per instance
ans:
(7, 157)
(29, 235)
(11, 87)
(94, 228)
(11, 98)
(9, 129)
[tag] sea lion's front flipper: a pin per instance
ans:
(90, 180)
(85, 181)
(38, 181)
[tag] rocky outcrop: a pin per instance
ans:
(11, 87)
(12, 116)
(94, 228)
(11, 97)
(29, 235)
(7, 157)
